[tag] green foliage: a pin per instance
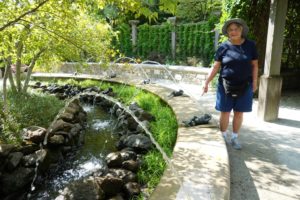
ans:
(26, 110)
(152, 169)
(196, 10)
(154, 40)
(57, 31)
(291, 45)
(146, 10)
(195, 39)
(164, 128)
(123, 40)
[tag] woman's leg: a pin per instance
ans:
(237, 121)
(224, 121)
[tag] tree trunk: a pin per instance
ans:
(19, 47)
(6, 75)
(31, 66)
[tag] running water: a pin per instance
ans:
(159, 148)
(100, 140)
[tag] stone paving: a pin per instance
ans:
(268, 166)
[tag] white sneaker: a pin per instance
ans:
(225, 139)
(236, 144)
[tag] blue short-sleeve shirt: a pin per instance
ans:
(236, 61)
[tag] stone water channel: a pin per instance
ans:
(99, 163)
(100, 138)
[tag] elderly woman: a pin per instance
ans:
(237, 61)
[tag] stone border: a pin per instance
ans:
(186, 74)
(200, 162)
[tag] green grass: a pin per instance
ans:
(26, 110)
(152, 168)
(163, 129)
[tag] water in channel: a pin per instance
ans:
(100, 139)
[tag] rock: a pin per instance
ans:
(28, 149)
(132, 124)
(30, 160)
(75, 104)
(13, 160)
(128, 155)
(119, 112)
(82, 190)
(110, 185)
(64, 134)
(144, 124)
(45, 158)
(60, 125)
(138, 142)
(76, 129)
(125, 175)
(117, 197)
(132, 189)
(107, 91)
(92, 89)
(66, 150)
(97, 99)
(61, 96)
(134, 106)
(35, 134)
(56, 140)
(67, 117)
(114, 159)
(81, 117)
(146, 116)
(71, 110)
(13, 182)
(55, 89)
(5, 149)
(131, 165)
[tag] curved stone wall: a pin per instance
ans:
(200, 165)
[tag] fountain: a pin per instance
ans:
(166, 158)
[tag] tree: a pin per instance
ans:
(197, 10)
(59, 30)
(7, 21)
(43, 31)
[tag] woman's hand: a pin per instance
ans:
(204, 89)
(254, 86)
(214, 70)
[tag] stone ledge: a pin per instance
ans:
(200, 160)
(200, 163)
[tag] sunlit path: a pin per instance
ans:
(268, 167)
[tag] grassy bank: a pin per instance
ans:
(40, 109)
(24, 110)
(163, 129)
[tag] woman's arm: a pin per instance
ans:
(254, 74)
(211, 75)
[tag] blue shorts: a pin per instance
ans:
(226, 103)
